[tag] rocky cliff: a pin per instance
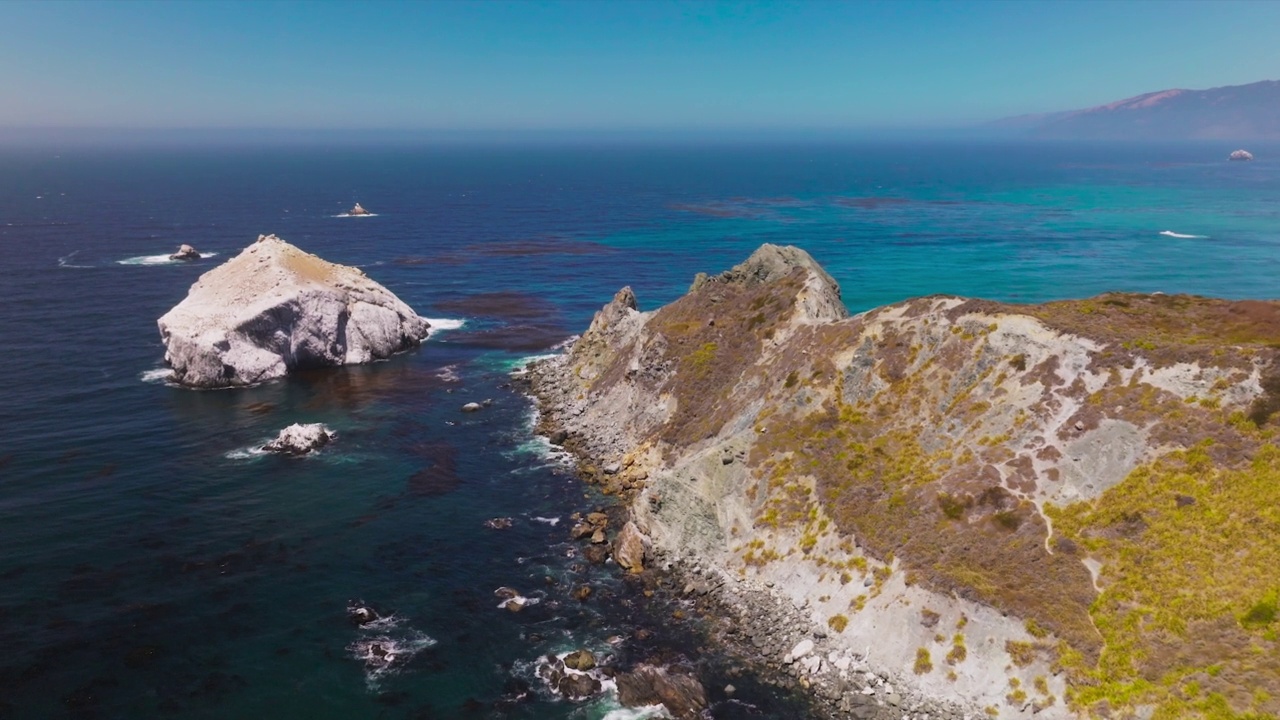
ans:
(274, 308)
(1061, 509)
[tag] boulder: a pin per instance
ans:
(273, 309)
(576, 687)
(630, 547)
(682, 695)
(299, 439)
(472, 407)
(358, 210)
(580, 660)
(185, 252)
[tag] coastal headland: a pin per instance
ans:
(946, 506)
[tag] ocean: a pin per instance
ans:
(153, 564)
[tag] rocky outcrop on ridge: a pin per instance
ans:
(1052, 510)
(274, 308)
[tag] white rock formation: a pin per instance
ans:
(1241, 155)
(185, 252)
(274, 308)
(298, 439)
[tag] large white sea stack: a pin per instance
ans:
(274, 308)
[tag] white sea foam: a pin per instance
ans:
(247, 453)
(158, 375)
(65, 261)
(519, 600)
(383, 655)
(519, 367)
(549, 521)
(158, 259)
(449, 373)
(637, 713)
(438, 324)
(1172, 234)
(363, 215)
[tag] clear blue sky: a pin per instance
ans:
(608, 65)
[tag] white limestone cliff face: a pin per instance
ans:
(274, 308)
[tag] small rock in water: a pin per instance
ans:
(471, 407)
(361, 614)
(582, 660)
(501, 523)
(185, 252)
(298, 439)
(578, 686)
(682, 695)
(582, 593)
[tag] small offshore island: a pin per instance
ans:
(273, 309)
(950, 507)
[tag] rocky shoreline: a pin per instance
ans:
(747, 620)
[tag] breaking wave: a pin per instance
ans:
(384, 655)
(157, 260)
(65, 261)
(1172, 234)
(157, 375)
(349, 215)
(637, 713)
(438, 324)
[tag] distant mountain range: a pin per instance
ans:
(1234, 112)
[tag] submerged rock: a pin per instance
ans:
(1240, 155)
(273, 309)
(298, 439)
(185, 252)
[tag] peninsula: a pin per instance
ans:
(946, 504)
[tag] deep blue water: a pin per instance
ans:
(150, 567)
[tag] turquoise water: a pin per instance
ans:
(152, 566)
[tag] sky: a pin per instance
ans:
(566, 66)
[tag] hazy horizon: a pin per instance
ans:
(625, 68)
